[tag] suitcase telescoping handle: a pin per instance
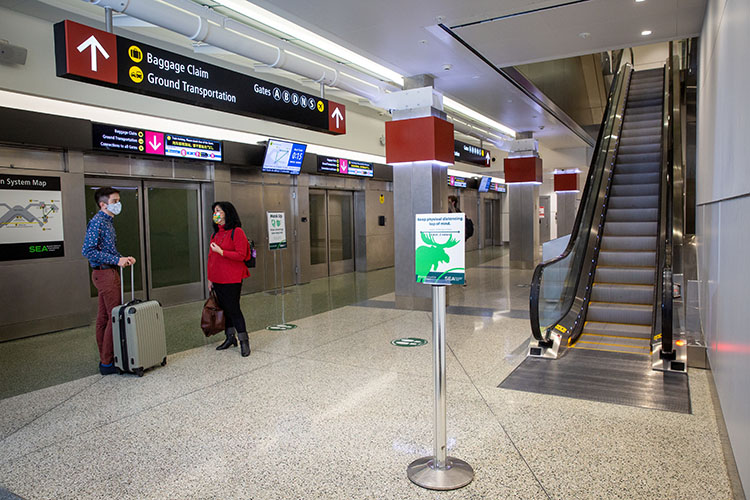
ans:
(132, 285)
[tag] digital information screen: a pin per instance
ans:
(484, 184)
(284, 157)
(342, 166)
(456, 181)
(152, 143)
(496, 186)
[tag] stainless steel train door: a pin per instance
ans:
(331, 232)
(160, 225)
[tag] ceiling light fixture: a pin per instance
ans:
(645, 32)
(476, 116)
(299, 33)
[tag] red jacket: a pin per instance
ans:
(230, 267)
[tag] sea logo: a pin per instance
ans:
(429, 257)
(136, 74)
(135, 53)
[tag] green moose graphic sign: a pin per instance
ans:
(439, 257)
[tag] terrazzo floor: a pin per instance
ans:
(332, 410)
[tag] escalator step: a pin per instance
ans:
(634, 133)
(638, 168)
(611, 312)
(622, 178)
(617, 228)
(629, 243)
(649, 147)
(633, 202)
(618, 329)
(632, 215)
(625, 275)
(630, 294)
(634, 190)
(638, 158)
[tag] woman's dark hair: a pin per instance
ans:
(231, 219)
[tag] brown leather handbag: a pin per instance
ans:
(212, 318)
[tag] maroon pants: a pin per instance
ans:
(107, 282)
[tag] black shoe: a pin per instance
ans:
(107, 370)
(244, 344)
(231, 341)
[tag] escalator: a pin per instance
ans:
(610, 291)
(620, 311)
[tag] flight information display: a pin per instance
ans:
(484, 184)
(456, 181)
(497, 187)
(284, 157)
(343, 166)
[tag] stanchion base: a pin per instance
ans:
(456, 474)
(281, 327)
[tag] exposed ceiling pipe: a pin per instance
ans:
(225, 33)
(205, 26)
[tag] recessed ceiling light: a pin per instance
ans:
(584, 35)
(639, 1)
(645, 32)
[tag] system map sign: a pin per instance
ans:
(31, 217)
(276, 230)
(439, 257)
(90, 55)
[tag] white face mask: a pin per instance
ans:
(115, 208)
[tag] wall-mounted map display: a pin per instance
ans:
(31, 217)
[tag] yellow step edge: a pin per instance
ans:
(625, 267)
(621, 284)
(615, 336)
(619, 303)
(611, 350)
(613, 345)
(602, 283)
(613, 323)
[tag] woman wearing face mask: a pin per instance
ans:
(226, 270)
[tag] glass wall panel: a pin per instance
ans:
(174, 236)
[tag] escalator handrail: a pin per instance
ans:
(617, 83)
(664, 274)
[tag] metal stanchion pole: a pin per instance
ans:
(283, 321)
(439, 472)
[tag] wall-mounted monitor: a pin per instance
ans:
(498, 188)
(284, 157)
(456, 181)
(484, 184)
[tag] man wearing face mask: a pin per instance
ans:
(99, 248)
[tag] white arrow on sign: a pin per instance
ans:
(93, 43)
(337, 114)
(154, 143)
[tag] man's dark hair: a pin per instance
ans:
(102, 195)
(231, 218)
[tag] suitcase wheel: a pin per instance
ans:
(120, 372)
(139, 372)
(163, 361)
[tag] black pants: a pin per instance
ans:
(229, 300)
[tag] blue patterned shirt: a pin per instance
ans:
(99, 244)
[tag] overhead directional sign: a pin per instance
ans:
(94, 56)
(149, 142)
(468, 153)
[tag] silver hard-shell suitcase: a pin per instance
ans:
(138, 333)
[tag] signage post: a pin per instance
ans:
(440, 261)
(277, 241)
